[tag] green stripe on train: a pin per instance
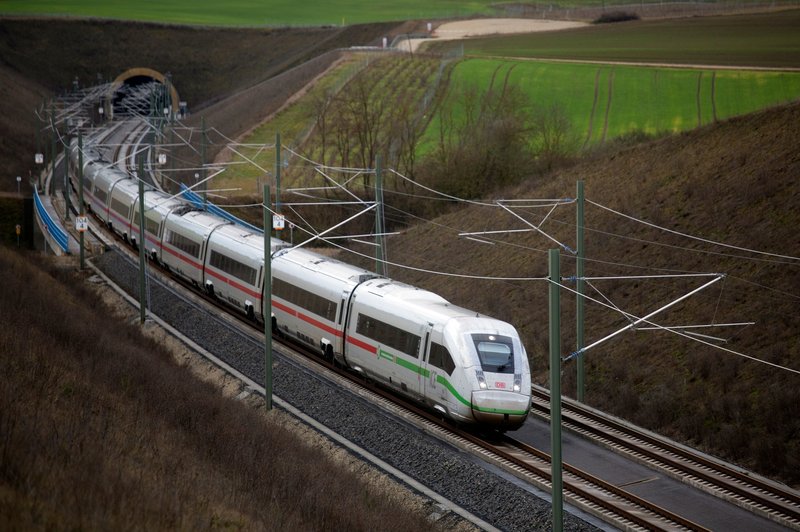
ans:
(444, 382)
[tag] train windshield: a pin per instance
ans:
(496, 352)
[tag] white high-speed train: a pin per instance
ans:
(471, 368)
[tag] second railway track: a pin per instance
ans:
(755, 494)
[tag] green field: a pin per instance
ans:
(252, 12)
(616, 100)
(765, 39)
(286, 12)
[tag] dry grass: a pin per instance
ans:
(102, 430)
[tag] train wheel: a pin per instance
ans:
(251, 315)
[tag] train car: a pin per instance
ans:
(104, 179)
(124, 194)
(157, 206)
(469, 367)
(184, 242)
(310, 293)
(92, 164)
(234, 267)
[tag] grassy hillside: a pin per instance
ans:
(103, 429)
(736, 182)
(19, 96)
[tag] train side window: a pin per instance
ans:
(120, 208)
(388, 335)
(151, 224)
(440, 357)
(184, 244)
(303, 298)
(233, 267)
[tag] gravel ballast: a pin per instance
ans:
(457, 476)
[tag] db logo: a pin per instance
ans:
(499, 385)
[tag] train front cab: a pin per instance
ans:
(490, 382)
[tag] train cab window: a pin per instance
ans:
(495, 352)
(440, 357)
(101, 195)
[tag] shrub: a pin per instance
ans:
(615, 16)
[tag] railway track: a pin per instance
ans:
(757, 495)
(593, 495)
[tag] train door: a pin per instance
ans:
(434, 390)
(339, 347)
(423, 374)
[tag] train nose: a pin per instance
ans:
(503, 409)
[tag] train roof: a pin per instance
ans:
(418, 301)
(240, 235)
(324, 265)
(162, 203)
(199, 218)
(110, 175)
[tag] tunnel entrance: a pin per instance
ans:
(142, 91)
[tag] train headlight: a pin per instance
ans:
(481, 379)
(517, 382)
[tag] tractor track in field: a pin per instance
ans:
(608, 104)
(697, 98)
(714, 96)
(594, 107)
(691, 66)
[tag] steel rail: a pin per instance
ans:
(752, 493)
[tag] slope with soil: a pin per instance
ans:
(736, 182)
(42, 57)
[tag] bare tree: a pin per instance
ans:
(483, 140)
(554, 136)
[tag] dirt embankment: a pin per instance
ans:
(41, 57)
(737, 182)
